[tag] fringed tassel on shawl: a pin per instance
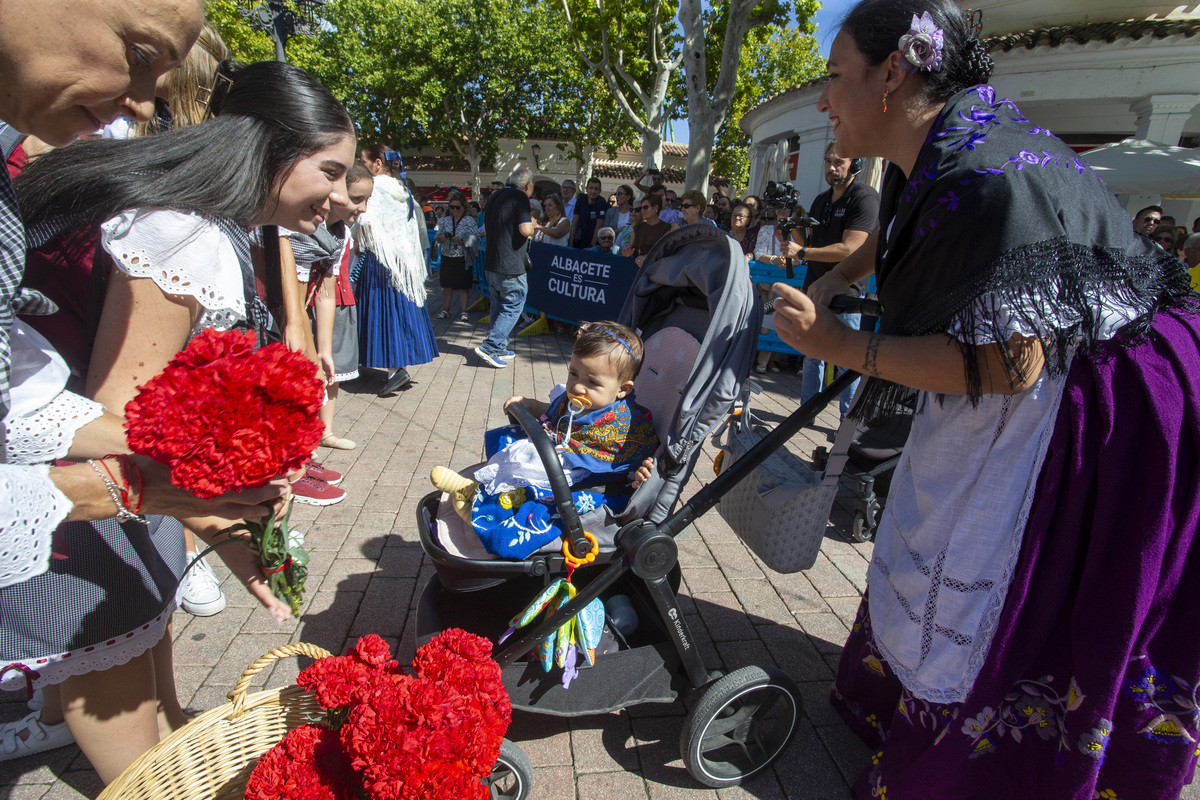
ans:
(1054, 290)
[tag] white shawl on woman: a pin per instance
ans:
(396, 235)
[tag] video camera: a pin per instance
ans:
(783, 196)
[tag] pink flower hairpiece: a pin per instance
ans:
(922, 45)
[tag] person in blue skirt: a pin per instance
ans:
(394, 329)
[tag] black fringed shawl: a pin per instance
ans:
(1000, 220)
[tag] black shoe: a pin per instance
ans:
(399, 379)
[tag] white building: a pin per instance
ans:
(1092, 71)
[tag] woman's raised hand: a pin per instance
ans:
(804, 324)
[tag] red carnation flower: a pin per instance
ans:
(308, 764)
(340, 681)
(227, 417)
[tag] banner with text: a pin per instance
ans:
(576, 285)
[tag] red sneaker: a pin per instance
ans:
(321, 472)
(315, 492)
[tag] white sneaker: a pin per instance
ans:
(203, 596)
(39, 737)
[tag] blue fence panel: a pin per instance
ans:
(769, 274)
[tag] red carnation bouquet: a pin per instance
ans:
(226, 417)
(392, 736)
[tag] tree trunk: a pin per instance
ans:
(702, 132)
(587, 159)
(706, 114)
(652, 148)
(473, 161)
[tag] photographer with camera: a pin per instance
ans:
(656, 179)
(848, 212)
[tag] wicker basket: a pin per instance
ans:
(211, 757)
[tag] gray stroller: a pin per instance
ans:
(698, 313)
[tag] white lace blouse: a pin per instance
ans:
(193, 258)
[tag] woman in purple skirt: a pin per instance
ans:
(1030, 625)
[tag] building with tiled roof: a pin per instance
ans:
(431, 169)
(1092, 71)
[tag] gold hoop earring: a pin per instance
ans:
(885, 94)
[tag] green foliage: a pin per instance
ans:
(456, 74)
(634, 46)
(772, 60)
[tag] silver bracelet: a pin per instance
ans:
(123, 514)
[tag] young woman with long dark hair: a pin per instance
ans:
(174, 212)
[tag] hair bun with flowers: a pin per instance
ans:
(922, 45)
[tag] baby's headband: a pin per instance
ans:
(620, 339)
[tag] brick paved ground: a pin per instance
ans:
(367, 568)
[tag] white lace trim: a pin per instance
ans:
(112, 653)
(183, 253)
(47, 434)
(31, 507)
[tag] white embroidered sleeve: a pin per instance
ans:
(31, 507)
(184, 254)
(46, 434)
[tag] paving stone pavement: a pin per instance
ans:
(367, 570)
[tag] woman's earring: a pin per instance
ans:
(885, 94)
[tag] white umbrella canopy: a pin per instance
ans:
(1136, 166)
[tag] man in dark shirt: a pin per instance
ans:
(589, 216)
(849, 213)
(506, 220)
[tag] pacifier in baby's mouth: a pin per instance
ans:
(578, 403)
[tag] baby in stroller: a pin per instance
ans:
(600, 432)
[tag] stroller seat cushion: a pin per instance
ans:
(670, 354)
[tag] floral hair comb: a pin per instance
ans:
(922, 45)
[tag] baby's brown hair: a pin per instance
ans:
(618, 342)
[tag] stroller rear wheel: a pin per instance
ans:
(740, 725)
(512, 777)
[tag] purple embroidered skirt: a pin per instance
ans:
(1090, 688)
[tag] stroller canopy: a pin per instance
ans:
(695, 278)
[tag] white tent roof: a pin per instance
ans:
(1136, 166)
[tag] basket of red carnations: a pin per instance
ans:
(355, 727)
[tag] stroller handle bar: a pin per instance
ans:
(580, 546)
(841, 304)
(802, 417)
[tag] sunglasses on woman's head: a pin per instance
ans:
(687, 205)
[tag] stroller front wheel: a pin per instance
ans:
(863, 529)
(740, 725)
(512, 777)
